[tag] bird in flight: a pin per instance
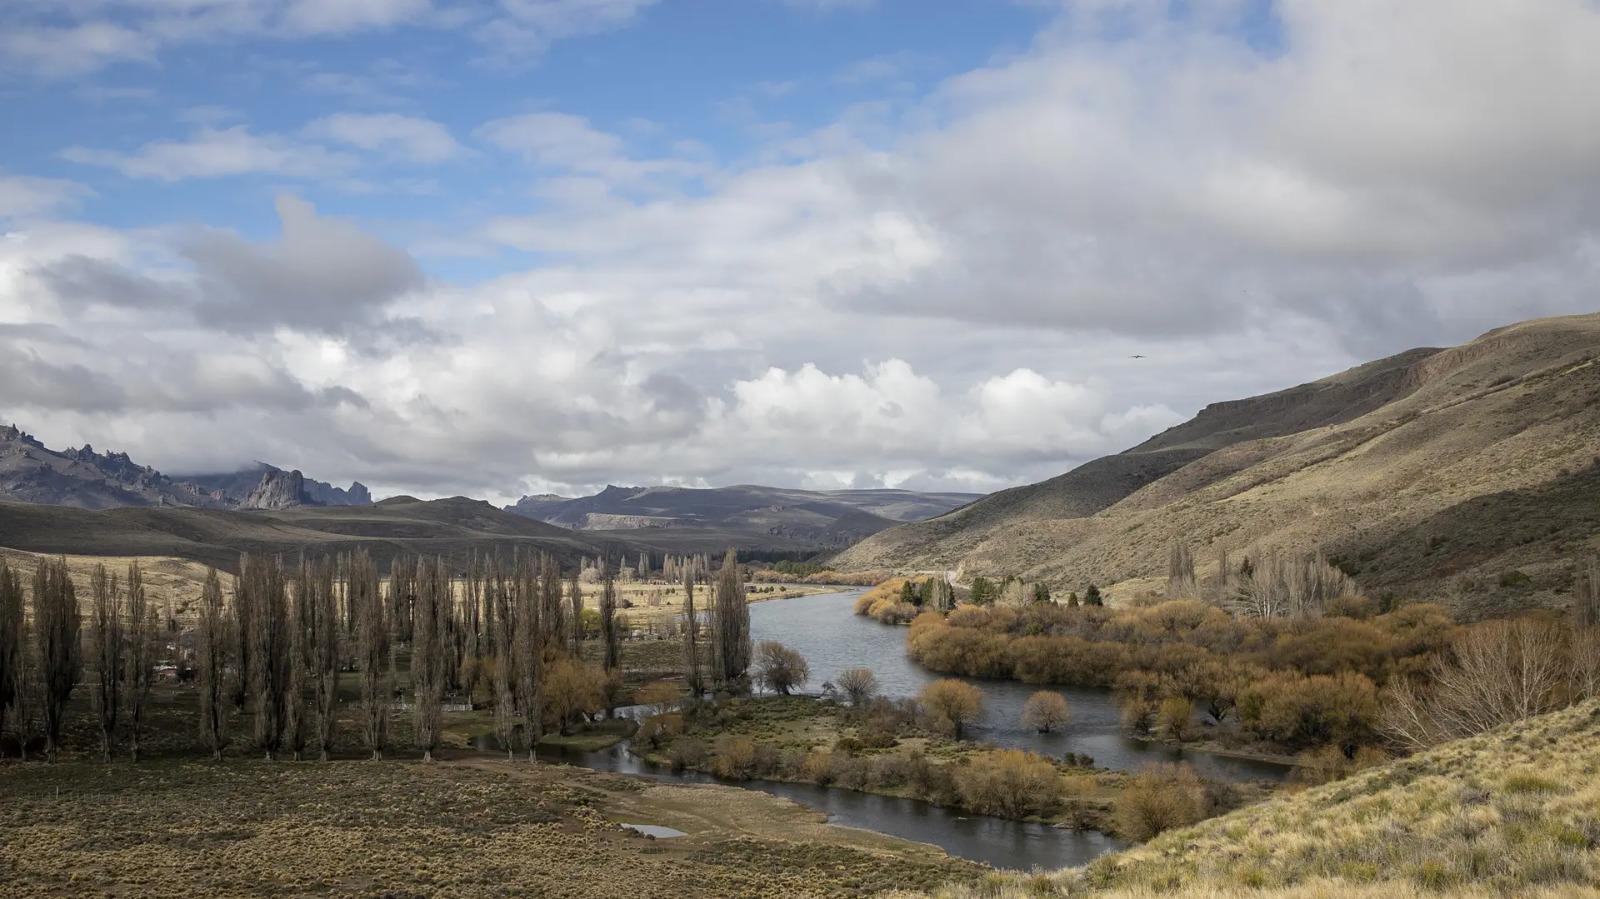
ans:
(1136, 356)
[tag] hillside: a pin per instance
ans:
(455, 528)
(1432, 473)
(1515, 812)
(749, 517)
(82, 478)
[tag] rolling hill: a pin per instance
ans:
(1514, 812)
(1469, 474)
(770, 519)
(455, 528)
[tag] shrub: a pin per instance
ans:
(687, 752)
(1160, 798)
(952, 705)
(858, 685)
(1045, 711)
(1172, 718)
(1009, 783)
(779, 668)
(734, 757)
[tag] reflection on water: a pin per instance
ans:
(824, 630)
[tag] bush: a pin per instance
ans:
(858, 685)
(779, 668)
(1009, 783)
(952, 705)
(1045, 711)
(1172, 718)
(734, 757)
(1160, 798)
(687, 753)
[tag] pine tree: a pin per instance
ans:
(691, 640)
(1092, 597)
(12, 642)
(144, 626)
(107, 643)
(56, 631)
(730, 646)
(210, 654)
(372, 651)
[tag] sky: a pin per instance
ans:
(506, 247)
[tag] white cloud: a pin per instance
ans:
(219, 153)
(24, 197)
(411, 138)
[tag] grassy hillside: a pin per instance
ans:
(455, 528)
(1515, 812)
(1433, 473)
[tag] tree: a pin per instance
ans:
(572, 688)
(1172, 718)
(297, 627)
(859, 685)
(429, 615)
(552, 613)
(658, 695)
(730, 646)
(56, 629)
(505, 676)
(12, 641)
(326, 654)
(952, 704)
(608, 618)
(1160, 798)
(1181, 582)
(691, 639)
(1009, 782)
(1045, 711)
(1092, 597)
(211, 656)
(264, 593)
(1041, 593)
(106, 641)
(528, 654)
(983, 591)
(575, 601)
(780, 668)
(1586, 601)
(144, 626)
(372, 651)
(472, 645)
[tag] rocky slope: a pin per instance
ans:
(86, 479)
(1470, 474)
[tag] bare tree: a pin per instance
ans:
(528, 652)
(428, 670)
(12, 642)
(144, 625)
(505, 678)
(210, 654)
(1495, 673)
(1281, 586)
(575, 600)
(326, 653)
(608, 618)
(296, 726)
(858, 685)
(691, 640)
(730, 643)
(106, 642)
(552, 611)
(1224, 584)
(472, 644)
(60, 654)
(264, 594)
(372, 651)
(402, 594)
(1180, 572)
(1586, 602)
(779, 668)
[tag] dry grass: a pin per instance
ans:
(1515, 812)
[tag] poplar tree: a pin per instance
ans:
(730, 642)
(372, 651)
(56, 631)
(12, 641)
(505, 706)
(608, 619)
(529, 654)
(428, 669)
(144, 627)
(296, 728)
(552, 614)
(575, 600)
(691, 640)
(1181, 583)
(326, 652)
(472, 631)
(210, 654)
(106, 642)
(264, 595)
(402, 594)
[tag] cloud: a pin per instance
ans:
(560, 142)
(55, 52)
(23, 197)
(219, 153)
(410, 138)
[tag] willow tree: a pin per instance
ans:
(372, 651)
(326, 653)
(106, 643)
(144, 627)
(691, 639)
(57, 634)
(428, 669)
(211, 657)
(730, 620)
(12, 643)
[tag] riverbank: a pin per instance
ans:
(882, 749)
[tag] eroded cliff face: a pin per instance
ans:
(278, 490)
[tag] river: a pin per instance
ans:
(823, 629)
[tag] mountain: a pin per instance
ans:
(748, 517)
(455, 528)
(237, 486)
(1468, 474)
(83, 478)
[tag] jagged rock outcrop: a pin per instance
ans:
(278, 490)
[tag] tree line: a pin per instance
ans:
(277, 644)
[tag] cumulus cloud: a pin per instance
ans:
(24, 197)
(219, 153)
(410, 138)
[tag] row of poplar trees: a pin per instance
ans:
(281, 646)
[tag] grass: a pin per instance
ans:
(1515, 812)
